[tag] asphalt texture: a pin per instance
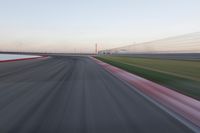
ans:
(73, 94)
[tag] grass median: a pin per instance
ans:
(180, 75)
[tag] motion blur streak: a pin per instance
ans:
(188, 43)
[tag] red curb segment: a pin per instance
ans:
(186, 106)
(21, 59)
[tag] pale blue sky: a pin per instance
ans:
(69, 25)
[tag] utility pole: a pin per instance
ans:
(96, 48)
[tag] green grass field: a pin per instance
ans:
(182, 76)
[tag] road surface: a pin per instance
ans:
(74, 95)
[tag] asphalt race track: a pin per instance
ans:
(72, 94)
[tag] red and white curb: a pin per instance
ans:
(185, 106)
(21, 59)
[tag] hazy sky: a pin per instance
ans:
(76, 25)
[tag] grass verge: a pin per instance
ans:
(168, 74)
